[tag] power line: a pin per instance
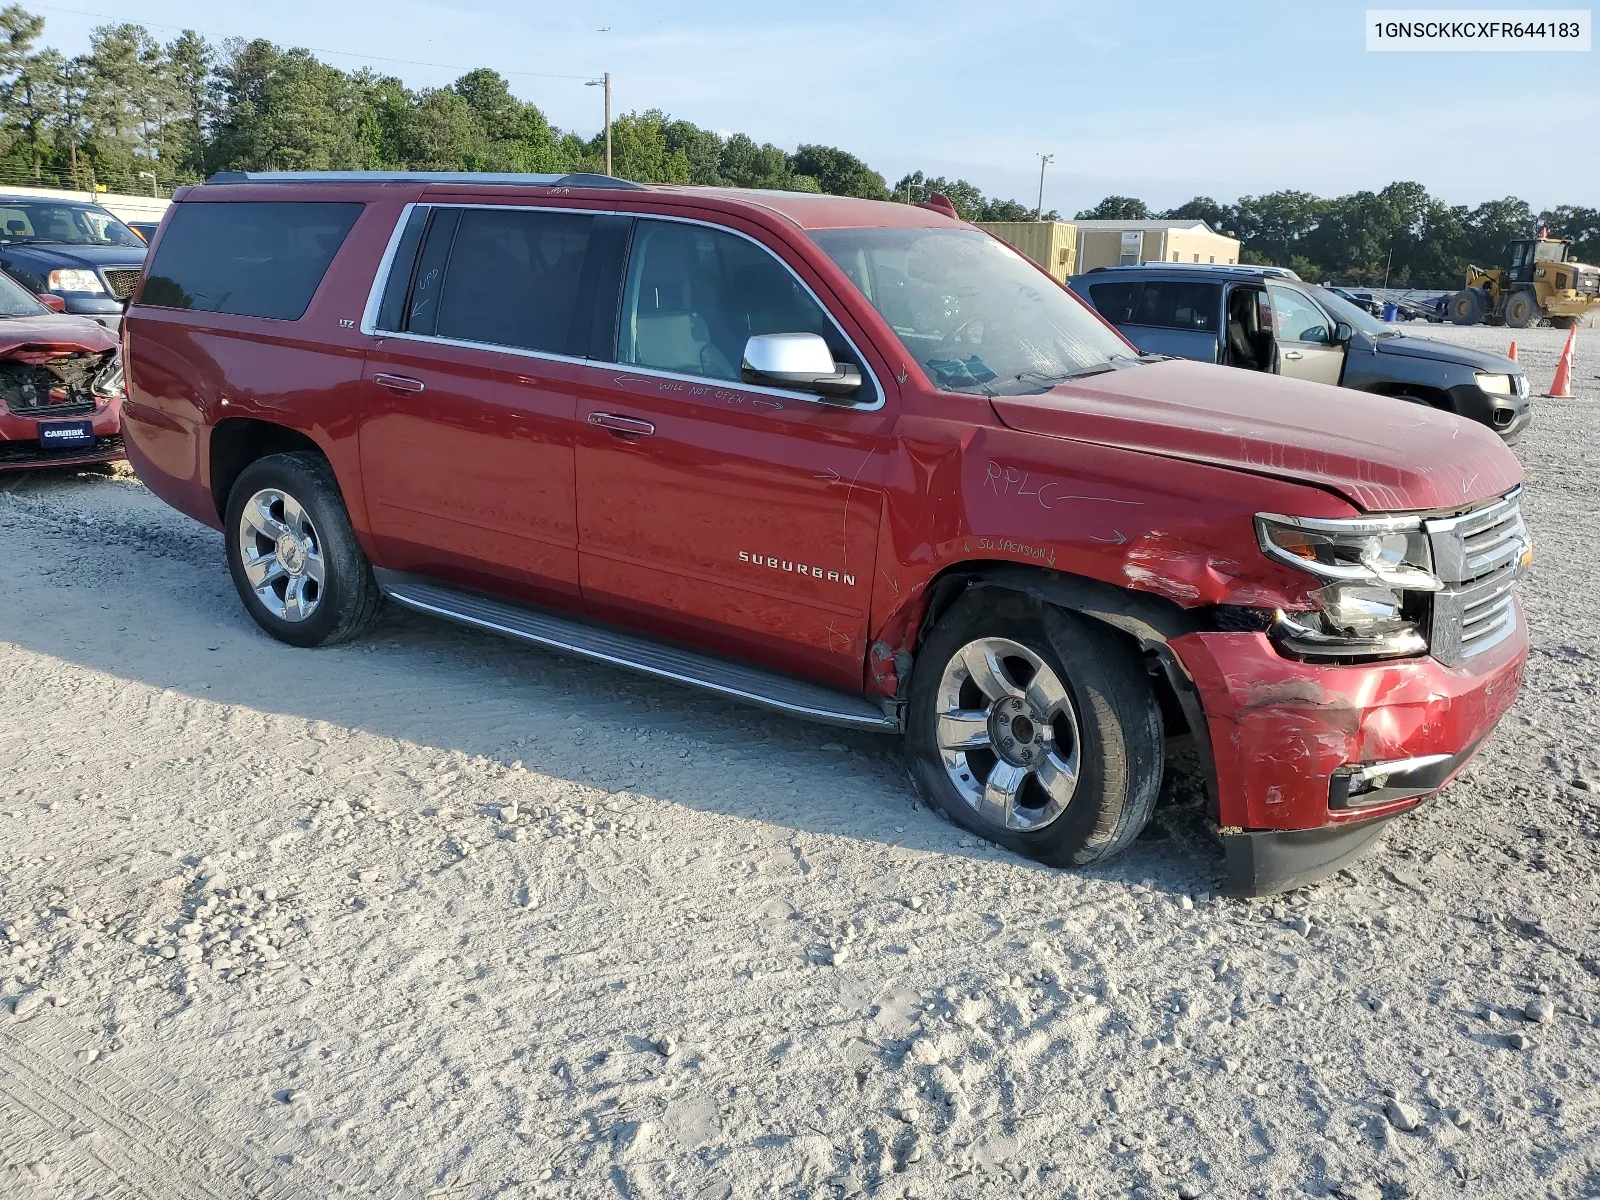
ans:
(409, 62)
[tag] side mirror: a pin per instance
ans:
(1342, 333)
(51, 301)
(798, 360)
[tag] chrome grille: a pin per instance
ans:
(120, 281)
(1478, 555)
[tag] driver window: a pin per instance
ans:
(695, 295)
(1297, 319)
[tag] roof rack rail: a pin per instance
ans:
(574, 179)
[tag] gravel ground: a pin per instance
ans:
(436, 915)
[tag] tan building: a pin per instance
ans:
(1051, 244)
(1129, 243)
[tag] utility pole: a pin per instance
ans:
(1387, 264)
(1044, 161)
(605, 82)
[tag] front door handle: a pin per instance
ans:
(1293, 355)
(623, 426)
(398, 383)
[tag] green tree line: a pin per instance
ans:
(136, 113)
(1401, 233)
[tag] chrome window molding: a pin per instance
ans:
(1398, 524)
(380, 282)
(369, 314)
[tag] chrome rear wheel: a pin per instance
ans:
(281, 553)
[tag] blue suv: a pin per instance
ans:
(1260, 318)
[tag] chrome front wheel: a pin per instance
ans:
(1007, 734)
(282, 555)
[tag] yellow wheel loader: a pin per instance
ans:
(1543, 281)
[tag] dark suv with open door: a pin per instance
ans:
(1265, 319)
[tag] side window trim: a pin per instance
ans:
(437, 241)
(386, 307)
(387, 266)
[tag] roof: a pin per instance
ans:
(813, 210)
(1194, 226)
(808, 210)
(1179, 268)
(32, 198)
(526, 179)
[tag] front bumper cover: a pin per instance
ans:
(1261, 862)
(1283, 733)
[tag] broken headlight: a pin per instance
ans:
(1375, 572)
(108, 382)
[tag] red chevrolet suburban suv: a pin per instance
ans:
(855, 461)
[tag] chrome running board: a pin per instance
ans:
(737, 681)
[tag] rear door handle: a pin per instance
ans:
(397, 383)
(624, 426)
(1293, 354)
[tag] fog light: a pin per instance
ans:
(1358, 786)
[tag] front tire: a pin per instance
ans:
(293, 554)
(1522, 310)
(1034, 728)
(1467, 307)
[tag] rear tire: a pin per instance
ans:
(1071, 776)
(1522, 310)
(293, 554)
(1467, 307)
(1563, 322)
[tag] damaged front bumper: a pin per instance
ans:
(20, 447)
(52, 389)
(1311, 760)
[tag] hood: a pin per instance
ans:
(1437, 351)
(1381, 455)
(60, 254)
(51, 334)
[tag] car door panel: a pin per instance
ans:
(1304, 335)
(468, 448)
(741, 518)
(741, 515)
(472, 475)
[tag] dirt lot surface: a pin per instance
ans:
(437, 915)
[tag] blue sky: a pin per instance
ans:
(1164, 102)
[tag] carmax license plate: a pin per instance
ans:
(65, 435)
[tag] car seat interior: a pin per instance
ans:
(1249, 339)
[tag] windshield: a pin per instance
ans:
(16, 300)
(1549, 252)
(976, 315)
(53, 221)
(1353, 314)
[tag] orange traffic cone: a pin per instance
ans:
(1512, 353)
(1561, 385)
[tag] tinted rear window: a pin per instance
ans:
(512, 278)
(248, 259)
(1115, 300)
(1179, 304)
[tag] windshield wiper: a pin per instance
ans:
(1062, 376)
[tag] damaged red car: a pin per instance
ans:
(60, 385)
(855, 461)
